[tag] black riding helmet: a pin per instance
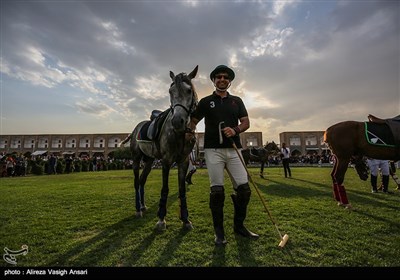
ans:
(222, 68)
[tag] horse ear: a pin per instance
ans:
(172, 75)
(194, 72)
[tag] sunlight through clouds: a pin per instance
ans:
(270, 42)
(298, 64)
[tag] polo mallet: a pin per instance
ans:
(284, 238)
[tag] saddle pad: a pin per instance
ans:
(159, 122)
(379, 134)
(142, 135)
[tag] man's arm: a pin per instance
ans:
(193, 123)
(242, 127)
(244, 124)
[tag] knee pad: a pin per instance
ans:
(244, 188)
(243, 193)
(217, 196)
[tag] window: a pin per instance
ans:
(295, 141)
(311, 140)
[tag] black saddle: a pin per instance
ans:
(392, 123)
(151, 129)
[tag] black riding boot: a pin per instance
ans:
(385, 183)
(217, 198)
(374, 180)
(240, 201)
(189, 177)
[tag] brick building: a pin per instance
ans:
(89, 145)
(304, 142)
(61, 144)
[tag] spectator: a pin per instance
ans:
(52, 164)
(285, 160)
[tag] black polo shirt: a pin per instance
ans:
(214, 110)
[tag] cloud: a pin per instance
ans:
(299, 64)
(94, 107)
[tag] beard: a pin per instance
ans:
(222, 86)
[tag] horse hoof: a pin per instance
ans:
(188, 225)
(161, 225)
(143, 208)
(346, 206)
(139, 214)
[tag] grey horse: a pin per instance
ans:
(172, 142)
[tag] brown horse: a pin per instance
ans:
(260, 155)
(353, 141)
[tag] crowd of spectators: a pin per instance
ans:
(19, 165)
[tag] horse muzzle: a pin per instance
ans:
(179, 123)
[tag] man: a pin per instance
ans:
(285, 160)
(374, 166)
(225, 116)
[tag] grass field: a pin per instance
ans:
(87, 219)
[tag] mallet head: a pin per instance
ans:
(284, 240)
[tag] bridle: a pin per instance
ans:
(193, 104)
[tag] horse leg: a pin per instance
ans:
(335, 186)
(262, 170)
(184, 213)
(337, 174)
(136, 167)
(162, 206)
(143, 178)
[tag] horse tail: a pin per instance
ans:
(127, 139)
(325, 136)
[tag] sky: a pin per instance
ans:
(102, 66)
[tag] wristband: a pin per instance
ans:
(237, 129)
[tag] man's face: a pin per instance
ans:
(221, 80)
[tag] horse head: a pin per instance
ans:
(183, 99)
(360, 164)
(272, 148)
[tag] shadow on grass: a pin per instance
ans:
(170, 247)
(92, 251)
(219, 257)
(288, 190)
(246, 257)
(356, 198)
(110, 239)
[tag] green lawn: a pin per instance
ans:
(87, 219)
